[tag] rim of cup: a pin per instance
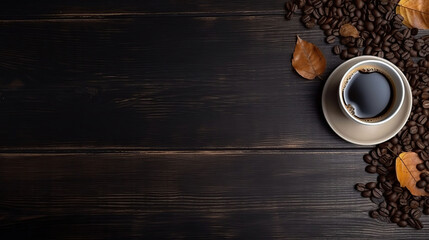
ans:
(398, 84)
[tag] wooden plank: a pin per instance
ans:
(69, 8)
(185, 82)
(207, 194)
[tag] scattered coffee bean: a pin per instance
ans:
(360, 187)
(330, 39)
(336, 50)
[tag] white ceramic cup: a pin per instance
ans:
(396, 83)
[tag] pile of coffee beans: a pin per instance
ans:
(395, 204)
(382, 34)
(423, 182)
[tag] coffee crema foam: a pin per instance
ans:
(369, 69)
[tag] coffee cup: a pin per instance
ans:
(371, 92)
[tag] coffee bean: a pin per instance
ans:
(415, 138)
(351, 8)
(317, 3)
(419, 224)
(330, 39)
(305, 18)
(411, 222)
(360, 187)
(389, 16)
(309, 24)
(392, 197)
(420, 144)
(382, 170)
(399, 36)
(352, 50)
(422, 119)
(383, 212)
(389, 55)
(405, 55)
(414, 204)
(367, 50)
(367, 158)
(425, 104)
(395, 219)
(409, 43)
(359, 4)
(421, 184)
(424, 155)
(403, 202)
(371, 185)
(406, 32)
(308, 9)
(321, 20)
(377, 193)
(369, 26)
(405, 215)
(325, 27)
(336, 50)
(366, 193)
(396, 24)
(415, 213)
(374, 214)
(386, 186)
(402, 223)
(378, 201)
(344, 55)
(394, 47)
(427, 167)
(413, 130)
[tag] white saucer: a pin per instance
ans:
(352, 131)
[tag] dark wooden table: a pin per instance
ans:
(170, 119)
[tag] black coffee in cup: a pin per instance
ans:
(368, 93)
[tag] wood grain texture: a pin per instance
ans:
(199, 194)
(86, 8)
(184, 82)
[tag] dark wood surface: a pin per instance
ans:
(160, 82)
(25, 9)
(197, 194)
(170, 119)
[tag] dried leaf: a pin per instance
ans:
(407, 173)
(348, 30)
(308, 60)
(415, 13)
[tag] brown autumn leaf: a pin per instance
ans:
(407, 173)
(308, 60)
(348, 30)
(415, 13)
